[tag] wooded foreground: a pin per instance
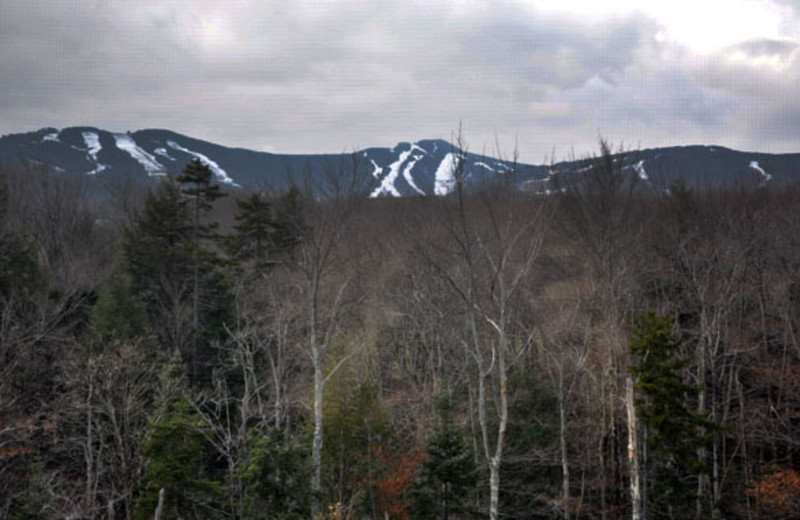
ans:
(607, 352)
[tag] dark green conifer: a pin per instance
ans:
(199, 195)
(290, 223)
(175, 463)
(255, 230)
(119, 312)
(449, 472)
(170, 254)
(665, 405)
(276, 477)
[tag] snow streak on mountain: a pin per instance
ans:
(148, 162)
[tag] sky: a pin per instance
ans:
(540, 78)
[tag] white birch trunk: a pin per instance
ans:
(633, 452)
(562, 427)
(316, 455)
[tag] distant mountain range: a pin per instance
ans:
(409, 168)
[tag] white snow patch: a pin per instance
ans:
(219, 173)
(387, 186)
(150, 164)
(51, 137)
(639, 168)
(92, 141)
(445, 175)
(485, 166)
(767, 176)
(93, 146)
(503, 166)
(163, 153)
(377, 171)
(415, 146)
(407, 174)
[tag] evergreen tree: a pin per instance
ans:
(154, 247)
(664, 404)
(290, 223)
(119, 312)
(276, 478)
(449, 471)
(530, 477)
(175, 463)
(356, 422)
(176, 273)
(255, 230)
(19, 267)
(199, 196)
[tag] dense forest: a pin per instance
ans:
(604, 352)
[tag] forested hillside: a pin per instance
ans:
(609, 351)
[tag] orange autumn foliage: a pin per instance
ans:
(397, 478)
(779, 493)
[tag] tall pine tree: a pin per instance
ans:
(170, 254)
(199, 194)
(255, 230)
(664, 404)
(154, 247)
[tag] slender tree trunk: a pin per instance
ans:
(616, 463)
(716, 462)
(702, 407)
(316, 453)
(160, 506)
(602, 456)
(317, 358)
(89, 449)
(645, 473)
(494, 487)
(494, 465)
(633, 452)
(195, 287)
(562, 426)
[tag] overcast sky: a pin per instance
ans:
(290, 76)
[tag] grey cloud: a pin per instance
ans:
(561, 52)
(782, 126)
(767, 47)
(663, 101)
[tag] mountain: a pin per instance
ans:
(423, 167)
(409, 168)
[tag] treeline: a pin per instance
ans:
(607, 352)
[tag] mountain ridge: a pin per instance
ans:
(423, 167)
